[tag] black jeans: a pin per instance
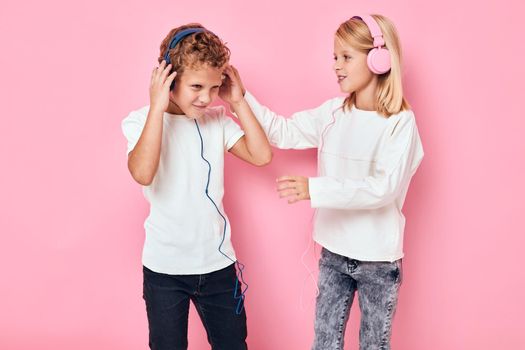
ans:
(167, 304)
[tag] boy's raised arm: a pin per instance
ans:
(253, 147)
(143, 160)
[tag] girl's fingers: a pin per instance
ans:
(288, 193)
(287, 178)
(285, 185)
(294, 200)
(293, 187)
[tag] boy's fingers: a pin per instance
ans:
(153, 74)
(236, 72)
(227, 72)
(171, 77)
(165, 72)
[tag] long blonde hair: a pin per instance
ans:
(355, 33)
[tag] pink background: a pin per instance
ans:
(71, 217)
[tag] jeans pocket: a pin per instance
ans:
(399, 271)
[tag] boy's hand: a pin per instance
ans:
(232, 91)
(293, 187)
(159, 88)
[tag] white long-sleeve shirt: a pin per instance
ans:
(365, 163)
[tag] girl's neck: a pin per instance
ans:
(366, 99)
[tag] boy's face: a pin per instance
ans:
(196, 89)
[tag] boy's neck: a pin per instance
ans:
(173, 108)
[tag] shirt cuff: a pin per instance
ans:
(314, 187)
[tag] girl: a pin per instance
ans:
(368, 150)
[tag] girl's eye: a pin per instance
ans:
(347, 57)
(196, 86)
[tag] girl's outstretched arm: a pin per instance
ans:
(396, 165)
(300, 131)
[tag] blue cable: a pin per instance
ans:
(240, 267)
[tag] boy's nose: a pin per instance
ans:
(205, 98)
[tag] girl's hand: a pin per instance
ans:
(159, 88)
(293, 187)
(232, 91)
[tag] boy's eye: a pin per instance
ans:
(196, 86)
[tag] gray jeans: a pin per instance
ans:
(377, 285)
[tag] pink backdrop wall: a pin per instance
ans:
(71, 216)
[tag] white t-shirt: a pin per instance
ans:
(184, 229)
(365, 163)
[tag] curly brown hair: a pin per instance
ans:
(204, 48)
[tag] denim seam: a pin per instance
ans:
(343, 322)
(388, 321)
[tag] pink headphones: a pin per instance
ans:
(378, 58)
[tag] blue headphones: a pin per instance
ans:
(177, 39)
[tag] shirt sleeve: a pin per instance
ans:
(301, 131)
(132, 127)
(398, 161)
(232, 131)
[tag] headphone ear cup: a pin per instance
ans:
(379, 60)
(172, 86)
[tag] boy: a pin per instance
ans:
(176, 151)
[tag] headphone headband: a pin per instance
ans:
(374, 28)
(178, 38)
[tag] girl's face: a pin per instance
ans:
(353, 74)
(195, 90)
